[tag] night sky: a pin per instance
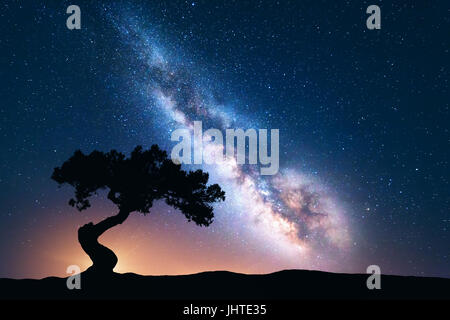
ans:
(363, 118)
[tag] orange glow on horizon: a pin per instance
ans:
(143, 245)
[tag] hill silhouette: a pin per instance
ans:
(287, 284)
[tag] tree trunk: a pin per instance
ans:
(104, 260)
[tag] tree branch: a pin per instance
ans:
(110, 222)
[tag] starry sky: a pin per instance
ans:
(363, 118)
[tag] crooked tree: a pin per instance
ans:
(133, 183)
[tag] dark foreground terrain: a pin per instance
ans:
(289, 284)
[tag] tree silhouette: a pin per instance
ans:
(133, 184)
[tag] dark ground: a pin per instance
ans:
(288, 284)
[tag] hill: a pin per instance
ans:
(287, 284)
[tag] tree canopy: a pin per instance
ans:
(134, 182)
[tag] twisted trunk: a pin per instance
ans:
(104, 260)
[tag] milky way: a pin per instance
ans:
(290, 213)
